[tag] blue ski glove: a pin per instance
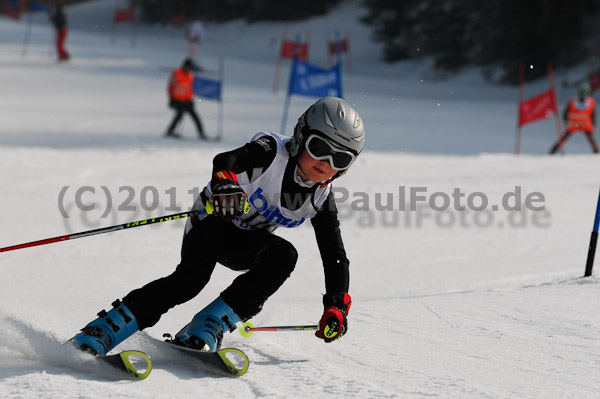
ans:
(228, 198)
(333, 324)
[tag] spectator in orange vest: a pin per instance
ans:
(580, 116)
(181, 94)
(59, 20)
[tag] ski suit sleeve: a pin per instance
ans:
(331, 247)
(253, 155)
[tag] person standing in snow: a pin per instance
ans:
(59, 20)
(580, 115)
(272, 181)
(194, 36)
(181, 98)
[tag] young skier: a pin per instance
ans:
(272, 181)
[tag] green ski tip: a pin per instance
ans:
(137, 363)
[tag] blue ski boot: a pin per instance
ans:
(107, 331)
(205, 331)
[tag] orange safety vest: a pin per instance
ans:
(181, 85)
(580, 118)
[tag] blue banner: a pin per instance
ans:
(38, 7)
(311, 80)
(207, 88)
(34, 6)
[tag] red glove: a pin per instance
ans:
(333, 323)
(228, 198)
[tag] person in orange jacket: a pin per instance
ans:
(580, 116)
(181, 98)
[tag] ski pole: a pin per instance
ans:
(102, 230)
(247, 329)
(208, 208)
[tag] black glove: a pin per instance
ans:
(333, 324)
(228, 198)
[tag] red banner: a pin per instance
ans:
(539, 107)
(12, 13)
(178, 19)
(594, 80)
(288, 47)
(124, 15)
(338, 47)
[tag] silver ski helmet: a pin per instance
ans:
(335, 120)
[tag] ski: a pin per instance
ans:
(230, 360)
(135, 363)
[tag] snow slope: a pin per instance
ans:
(458, 304)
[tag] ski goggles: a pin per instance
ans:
(322, 150)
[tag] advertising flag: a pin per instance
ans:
(337, 46)
(539, 107)
(594, 79)
(311, 80)
(34, 6)
(209, 89)
(124, 15)
(291, 50)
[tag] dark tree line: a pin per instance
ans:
(494, 34)
(224, 10)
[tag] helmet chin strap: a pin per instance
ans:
(325, 183)
(300, 167)
(306, 182)
(338, 174)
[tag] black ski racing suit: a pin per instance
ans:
(268, 259)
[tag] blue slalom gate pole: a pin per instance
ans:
(221, 105)
(593, 241)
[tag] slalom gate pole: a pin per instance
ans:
(247, 329)
(593, 241)
(27, 36)
(519, 101)
(103, 230)
(559, 127)
(221, 104)
(278, 67)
